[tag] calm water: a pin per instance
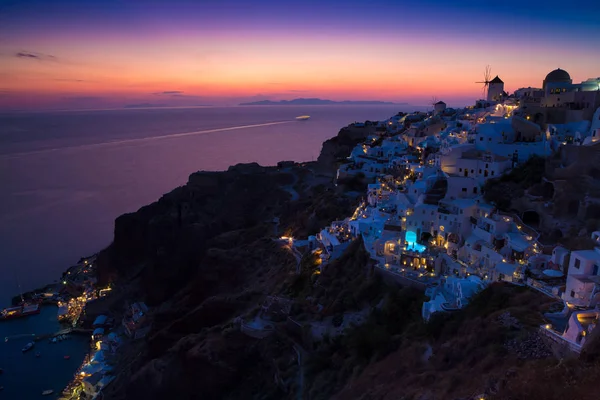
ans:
(25, 376)
(65, 176)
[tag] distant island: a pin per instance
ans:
(318, 102)
(144, 105)
(149, 105)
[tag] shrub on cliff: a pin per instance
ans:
(502, 190)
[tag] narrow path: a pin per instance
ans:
(300, 374)
(290, 188)
(297, 255)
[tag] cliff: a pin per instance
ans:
(205, 259)
(339, 147)
(164, 242)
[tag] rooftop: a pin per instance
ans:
(588, 254)
(506, 269)
(478, 154)
(587, 278)
(558, 75)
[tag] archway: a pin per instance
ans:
(548, 190)
(531, 218)
(538, 117)
(573, 207)
(425, 236)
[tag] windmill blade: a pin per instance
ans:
(487, 74)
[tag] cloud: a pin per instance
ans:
(172, 92)
(30, 55)
(297, 91)
(70, 80)
(82, 98)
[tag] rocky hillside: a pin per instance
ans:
(339, 147)
(164, 242)
(203, 257)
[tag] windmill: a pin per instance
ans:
(487, 75)
(433, 101)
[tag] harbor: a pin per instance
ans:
(26, 376)
(57, 349)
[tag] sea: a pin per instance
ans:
(66, 175)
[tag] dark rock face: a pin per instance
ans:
(169, 237)
(194, 350)
(532, 347)
(340, 146)
(203, 255)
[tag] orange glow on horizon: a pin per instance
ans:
(277, 68)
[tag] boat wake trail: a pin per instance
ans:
(141, 140)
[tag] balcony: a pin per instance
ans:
(446, 210)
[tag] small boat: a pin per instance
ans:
(28, 347)
(67, 357)
(22, 310)
(303, 117)
(47, 392)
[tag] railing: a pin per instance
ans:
(524, 227)
(559, 339)
(541, 287)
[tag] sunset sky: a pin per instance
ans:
(108, 53)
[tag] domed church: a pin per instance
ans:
(558, 76)
(575, 101)
(560, 100)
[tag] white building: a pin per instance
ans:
(439, 107)
(495, 89)
(501, 138)
(594, 135)
(453, 294)
(565, 101)
(583, 282)
(465, 160)
(560, 257)
(580, 326)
